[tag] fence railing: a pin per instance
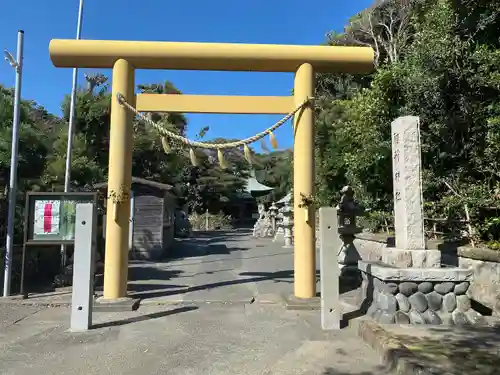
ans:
(444, 227)
(434, 228)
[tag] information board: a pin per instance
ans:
(50, 217)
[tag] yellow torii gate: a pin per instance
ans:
(124, 57)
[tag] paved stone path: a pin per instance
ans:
(226, 267)
(211, 311)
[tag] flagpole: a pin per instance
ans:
(18, 66)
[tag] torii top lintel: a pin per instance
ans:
(71, 53)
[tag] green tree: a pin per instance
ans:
(174, 121)
(445, 70)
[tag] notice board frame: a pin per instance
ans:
(32, 196)
(29, 213)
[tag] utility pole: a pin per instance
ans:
(67, 174)
(17, 64)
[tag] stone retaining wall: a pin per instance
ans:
(417, 296)
(422, 303)
(485, 263)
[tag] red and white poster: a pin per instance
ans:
(47, 217)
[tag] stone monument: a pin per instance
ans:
(409, 285)
(410, 250)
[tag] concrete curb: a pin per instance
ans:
(36, 303)
(118, 305)
(190, 302)
(292, 303)
(136, 303)
(395, 356)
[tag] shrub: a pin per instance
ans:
(215, 221)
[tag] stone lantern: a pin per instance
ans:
(348, 210)
(273, 213)
(280, 232)
(287, 213)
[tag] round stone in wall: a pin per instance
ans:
(416, 317)
(474, 317)
(447, 319)
(449, 302)
(461, 288)
(392, 288)
(418, 302)
(401, 318)
(443, 288)
(463, 303)
(459, 318)
(408, 288)
(425, 287)
(403, 303)
(386, 318)
(431, 317)
(387, 303)
(434, 300)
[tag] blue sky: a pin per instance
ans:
(258, 21)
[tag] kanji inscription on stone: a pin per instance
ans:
(407, 183)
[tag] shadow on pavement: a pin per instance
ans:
(332, 371)
(142, 318)
(187, 263)
(278, 277)
(204, 244)
(197, 248)
(143, 272)
(471, 350)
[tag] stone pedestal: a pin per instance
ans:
(418, 295)
(288, 237)
(412, 258)
(279, 236)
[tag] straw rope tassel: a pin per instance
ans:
(166, 146)
(273, 140)
(222, 161)
(193, 158)
(248, 154)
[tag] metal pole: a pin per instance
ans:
(18, 65)
(67, 174)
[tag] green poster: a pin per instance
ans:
(68, 216)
